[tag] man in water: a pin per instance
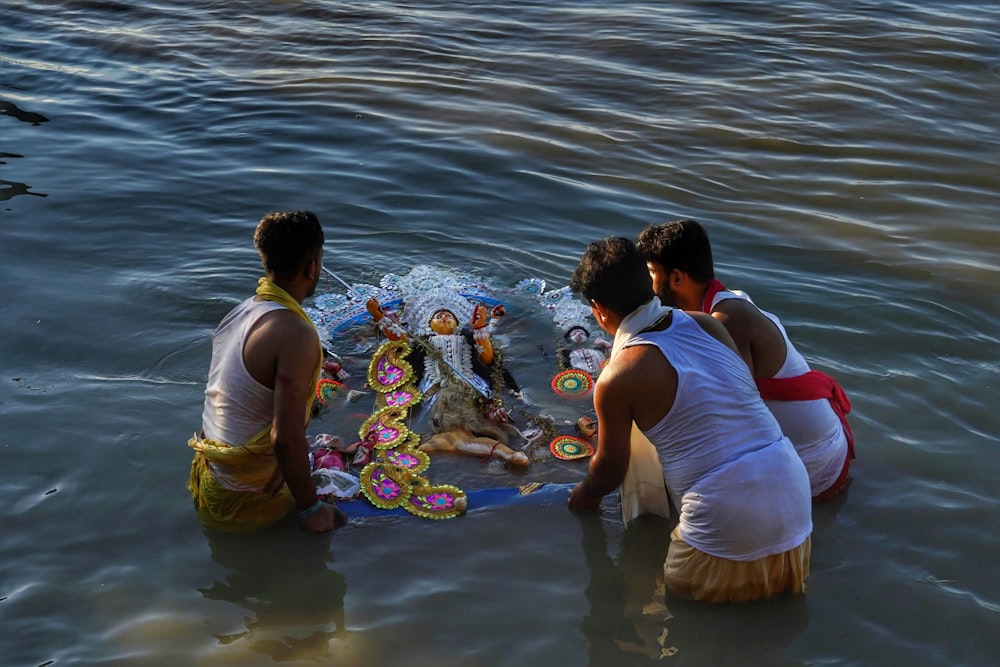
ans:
(251, 462)
(810, 405)
(742, 491)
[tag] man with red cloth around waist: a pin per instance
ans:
(810, 405)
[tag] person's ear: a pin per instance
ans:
(677, 277)
(312, 268)
(599, 311)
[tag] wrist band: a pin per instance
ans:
(306, 513)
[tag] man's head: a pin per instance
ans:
(613, 274)
(679, 258)
(288, 241)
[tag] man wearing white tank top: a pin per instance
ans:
(742, 492)
(810, 406)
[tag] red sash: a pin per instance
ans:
(714, 288)
(810, 386)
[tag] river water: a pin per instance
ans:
(843, 155)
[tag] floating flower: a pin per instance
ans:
(386, 488)
(404, 460)
(387, 373)
(441, 500)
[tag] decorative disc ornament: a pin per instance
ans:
(572, 382)
(531, 286)
(328, 390)
(568, 448)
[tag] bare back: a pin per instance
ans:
(757, 339)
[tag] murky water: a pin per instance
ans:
(843, 156)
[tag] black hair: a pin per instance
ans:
(286, 240)
(681, 244)
(613, 273)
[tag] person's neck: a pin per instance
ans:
(643, 316)
(294, 288)
(696, 297)
(690, 298)
(708, 291)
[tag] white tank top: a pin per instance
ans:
(812, 426)
(740, 487)
(237, 407)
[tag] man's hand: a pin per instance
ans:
(581, 499)
(602, 344)
(329, 517)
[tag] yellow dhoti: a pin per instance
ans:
(238, 489)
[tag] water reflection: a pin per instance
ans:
(283, 579)
(11, 109)
(825, 514)
(11, 189)
(632, 622)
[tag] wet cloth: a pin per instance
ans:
(810, 386)
(742, 491)
(240, 487)
(643, 490)
(236, 404)
(810, 406)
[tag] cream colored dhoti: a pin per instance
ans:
(700, 576)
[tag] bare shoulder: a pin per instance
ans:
(629, 362)
(280, 339)
(642, 382)
(637, 368)
(284, 327)
(760, 341)
(738, 313)
(747, 324)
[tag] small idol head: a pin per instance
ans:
(577, 335)
(444, 322)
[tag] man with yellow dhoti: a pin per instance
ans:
(742, 492)
(251, 462)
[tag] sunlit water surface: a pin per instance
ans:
(843, 155)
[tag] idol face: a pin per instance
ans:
(443, 322)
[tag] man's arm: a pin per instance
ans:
(297, 355)
(613, 404)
